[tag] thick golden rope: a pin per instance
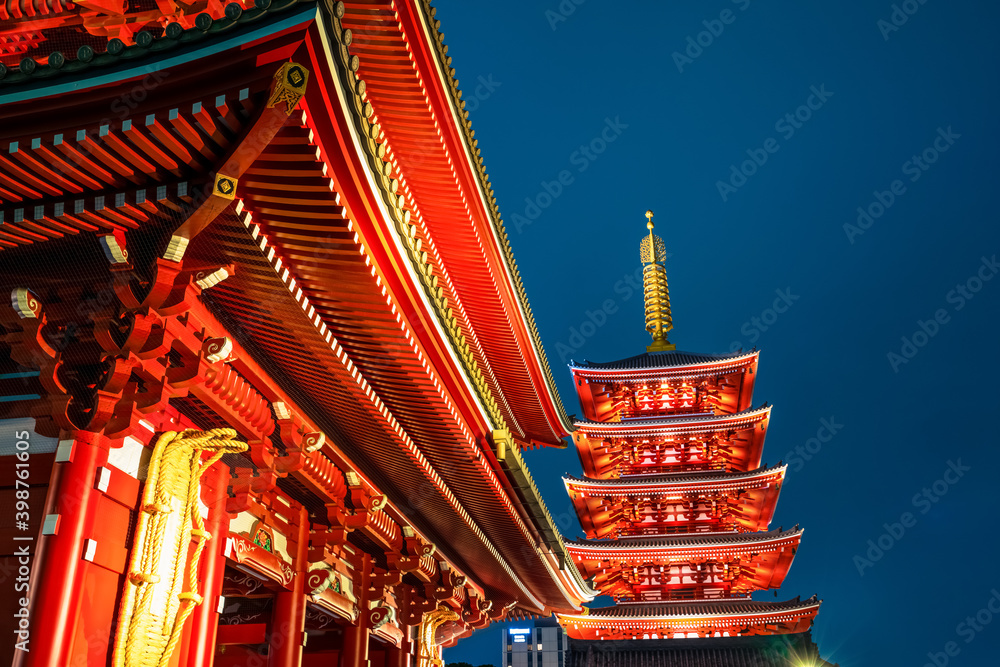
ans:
(153, 611)
(428, 650)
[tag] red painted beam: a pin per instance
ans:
(251, 633)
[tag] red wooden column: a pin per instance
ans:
(354, 652)
(58, 603)
(199, 645)
(289, 619)
(402, 656)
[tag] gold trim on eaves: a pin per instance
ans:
(395, 203)
(484, 183)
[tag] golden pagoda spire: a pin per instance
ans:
(653, 253)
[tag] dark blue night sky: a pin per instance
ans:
(756, 149)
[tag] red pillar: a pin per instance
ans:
(59, 599)
(289, 619)
(354, 651)
(202, 627)
(400, 657)
(20, 657)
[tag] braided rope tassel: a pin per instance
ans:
(153, 612)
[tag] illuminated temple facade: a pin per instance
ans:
(263, 226)
(676, 507)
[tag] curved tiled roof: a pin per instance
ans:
(652, 360)
(678, 421)
(731, 607)
(676, 478)
(511, 502)
(474, 151)
(117, 53)
(745, 651)
(687, 540)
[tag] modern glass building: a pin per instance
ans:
(539, 643)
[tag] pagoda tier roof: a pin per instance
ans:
(739, 442)
(761, 561)
(681, 483)
(644, 504)
(728, 379)
(698, 609)
(673, 361)
(669, 545)
(675, 425)
(704, 618)
(759, 651)
(345, 289)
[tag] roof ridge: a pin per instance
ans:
(654, 360)
(722, 605)
(699, 539)
(697, 475)
(677, 419)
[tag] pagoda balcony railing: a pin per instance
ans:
(645, 469)
(674, 529)
(652, 413)
(697, 593)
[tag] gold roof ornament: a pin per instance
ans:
(653, 254)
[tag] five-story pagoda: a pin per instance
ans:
(675, 502)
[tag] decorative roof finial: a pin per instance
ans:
(653, 253)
